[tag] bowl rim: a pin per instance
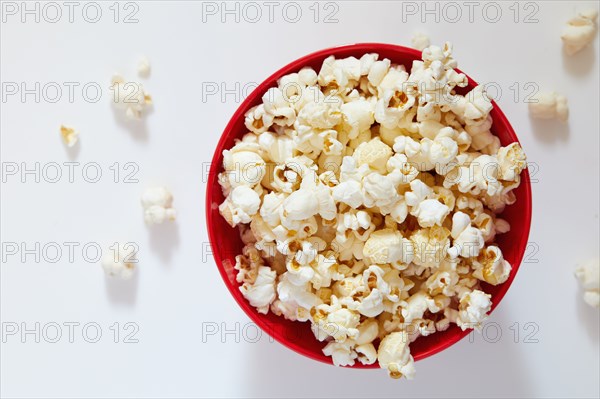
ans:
(294, 66)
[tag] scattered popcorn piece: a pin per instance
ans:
(143, 67)
(158, 205)
(580, 31)
(130, 96)
(367, 198)
(119, 262)
(69, 135)
(549, 105)
(420, 41)
(588, 274)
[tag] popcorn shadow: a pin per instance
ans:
(164, 240)
(73, 152)
(580, 64)
(549, 130)
(589, 317)
(137, 128)
(122, 292)
(494, 369)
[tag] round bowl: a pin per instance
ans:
(226, 243)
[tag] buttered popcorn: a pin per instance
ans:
(368, 199)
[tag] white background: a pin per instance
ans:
(178, 288)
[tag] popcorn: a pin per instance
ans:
(299, 273)
(257, 119)
(378, 290)
(442, 282)
(485, 223)
(367, 354)
(335, 321)
(394, 355)
(277, 105)
(325, 272)
(271, 208)
(300, 205)
(277, 148)
(378, 71)
(367, 198)
(419, 191)
(491, 266)
(349, 192)
(323, 114)
(388, 135)
(481, 175)
(416, 306)
(158, 205)
(420, 41)
(119, 262)
(342, 354)
(467, 243)
(339, 74)
(357, 116)
(143, 67)
(295, 85)
(431, 212)
(512, 161)
(588, 275)
(261, 293)
(387, 246)
(130, 96)
(243, 166)
(380, 191)
(580, 31)
(374, 153)
(293, 301)
(549, 105)
(247, 265)
(367, 332)
(430, 246)
(444, 55)
(477, 107)
(239, 207)
(394, 83)
(473, 309)
(69, 135)
(392, 106)
(443, 150)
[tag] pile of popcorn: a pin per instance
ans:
(367, 199)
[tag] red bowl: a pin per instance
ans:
(226, 243)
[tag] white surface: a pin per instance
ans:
(178, 287)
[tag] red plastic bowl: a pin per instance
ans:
(226, 243)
